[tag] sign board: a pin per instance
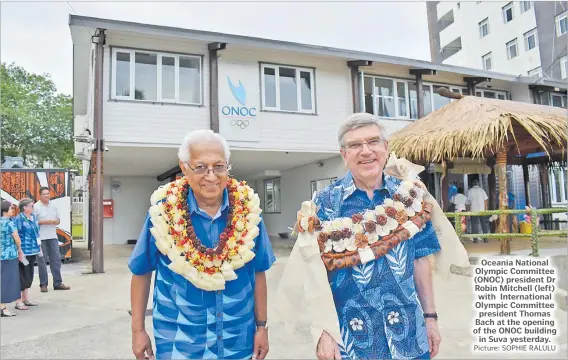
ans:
(238, 104)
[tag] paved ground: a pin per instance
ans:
(92, 322)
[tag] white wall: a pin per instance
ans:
(135, 122)
(285, 131)
(295, 188)
(466, 25)
(130, 207)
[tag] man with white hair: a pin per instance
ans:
(204, 237)
(374, 234)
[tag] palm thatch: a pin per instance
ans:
(478, 127)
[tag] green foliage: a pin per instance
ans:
(36, 121)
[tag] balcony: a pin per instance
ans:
(446, 20)
(449, 34)
(452, 48)
(444, 7)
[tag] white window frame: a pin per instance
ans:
(562, 99)
(524, 4)
(557, 21)
(314, 183)
(276, 69)
(484, 59)
(528, 34)
(275, 200)
(453, 88)
(159, 56)
(481, 93)
(504, 11)
(484, 22)
(564, 67)
(375, 96)
(553, 189)
(509, 45)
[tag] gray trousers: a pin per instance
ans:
(479, 225)
(50, 249)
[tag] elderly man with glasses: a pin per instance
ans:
(204, 237)
(363, 246)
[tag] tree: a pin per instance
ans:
(36, 121)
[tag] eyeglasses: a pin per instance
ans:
(373, 144)
(219, 169)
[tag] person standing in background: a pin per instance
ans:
(11, 253)
(28, 230)
(48, 219)
(478, 201)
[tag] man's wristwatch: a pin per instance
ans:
(261, 324)
(433, 315)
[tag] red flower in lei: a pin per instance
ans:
(221, 250)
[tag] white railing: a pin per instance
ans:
(77, 208)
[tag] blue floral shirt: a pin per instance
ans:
(190, 323)
(7, 242)
(378, 308)
(28, 229)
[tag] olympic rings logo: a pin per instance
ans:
(243, 124)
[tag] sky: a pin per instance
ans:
(36, 35)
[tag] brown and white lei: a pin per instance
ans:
(363, 237)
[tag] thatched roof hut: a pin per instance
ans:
(501, 131)
(477, 127)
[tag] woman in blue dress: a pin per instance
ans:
(11, 253)
(28, 229)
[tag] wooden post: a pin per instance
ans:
(491, 180)
(545, 190)
(419, 96)
(526, 182)
(445, 186)
(501, 171)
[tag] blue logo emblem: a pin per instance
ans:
(241, 96)
(238, 92)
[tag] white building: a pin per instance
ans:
(279, 104)
(524, 38)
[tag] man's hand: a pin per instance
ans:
(434, 338)
(327, 348)
(141, 345)
(260, 343)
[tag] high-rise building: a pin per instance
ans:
(525, 38)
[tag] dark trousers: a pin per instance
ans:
(479, 225)
(27, 273)
(50, 248)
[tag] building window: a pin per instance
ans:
(564, 67)
(272, 196)
(526, 6)
(512, 49)
(558, 100)
(288, 88)
(393, 98)
(531, 39)
(562, 23)
(484, 28)
(507, 12)
(319, 185)
(491, 94)
(486, 61)
(558, 185)
(156, 77)
(385, 97)
(537, 72)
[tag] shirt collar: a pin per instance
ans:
(194, 208)
(348, 185)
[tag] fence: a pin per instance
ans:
(535, 231)
(77, 208)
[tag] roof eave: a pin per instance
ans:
(208, 36)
